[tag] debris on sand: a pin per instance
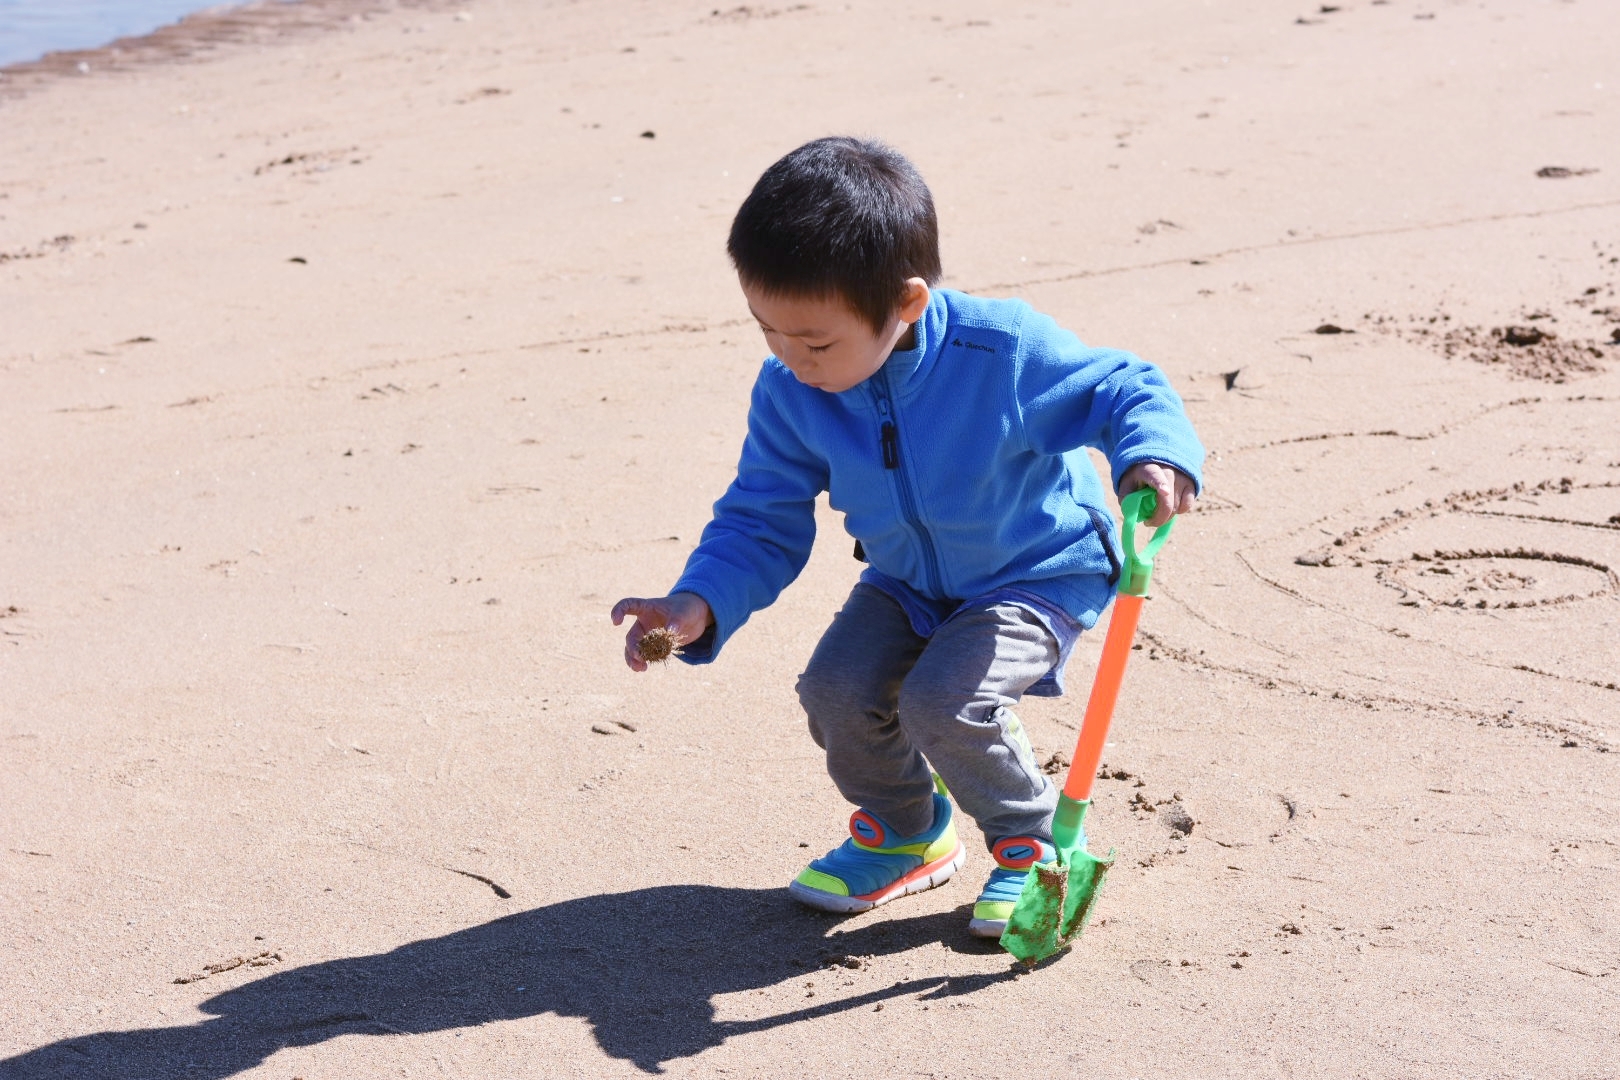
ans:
(498, 890)
(263, 959)
(1176, 816)
(1523, 348)
(1527, 351)
(1522, 336)
(853, 963)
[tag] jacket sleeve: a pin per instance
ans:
(763, 526)
(1070, 396)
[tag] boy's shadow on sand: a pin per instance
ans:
(642, 967)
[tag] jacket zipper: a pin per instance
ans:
(889, 441)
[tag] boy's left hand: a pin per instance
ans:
(1176, 492)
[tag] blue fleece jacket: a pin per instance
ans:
(960, 467)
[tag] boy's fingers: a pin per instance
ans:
(1165, 507)
(632, 655)
(630, 605)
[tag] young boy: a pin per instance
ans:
(951, 431)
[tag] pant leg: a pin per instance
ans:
(956, 707)
(850, 691)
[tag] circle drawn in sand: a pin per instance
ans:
(1518, 578)
(1502, 572)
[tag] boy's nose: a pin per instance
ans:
(794, 356)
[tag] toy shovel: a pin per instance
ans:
(1057, 896)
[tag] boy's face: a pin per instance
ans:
(824, 342)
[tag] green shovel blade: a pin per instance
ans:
(1057, 898)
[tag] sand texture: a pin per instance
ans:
(350, 372)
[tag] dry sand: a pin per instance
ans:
(347, 377)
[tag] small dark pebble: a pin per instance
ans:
(1231, 377)
(649, 135)
(1329, 328)
(299, 259)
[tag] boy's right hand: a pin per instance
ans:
(684, 614)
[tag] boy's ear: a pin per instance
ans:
(914, 301)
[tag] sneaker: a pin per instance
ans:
(875, 865)
(1014, 856)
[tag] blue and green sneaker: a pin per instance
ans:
(875, 865)
(1014, 856)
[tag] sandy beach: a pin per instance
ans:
(356, 357)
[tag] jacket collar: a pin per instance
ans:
(906, 370)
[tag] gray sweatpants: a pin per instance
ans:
(885, 704)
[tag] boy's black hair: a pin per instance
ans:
(839, 217)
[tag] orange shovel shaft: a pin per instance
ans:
(1104, 692)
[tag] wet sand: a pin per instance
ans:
(349, 375)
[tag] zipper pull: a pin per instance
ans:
(889, 434)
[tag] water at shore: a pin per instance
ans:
(31, 28)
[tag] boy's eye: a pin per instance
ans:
(820, 348)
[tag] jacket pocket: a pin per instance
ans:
(1105, 534)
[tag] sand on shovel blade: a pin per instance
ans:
(1054, 906)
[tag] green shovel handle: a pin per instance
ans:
(1138, 507)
